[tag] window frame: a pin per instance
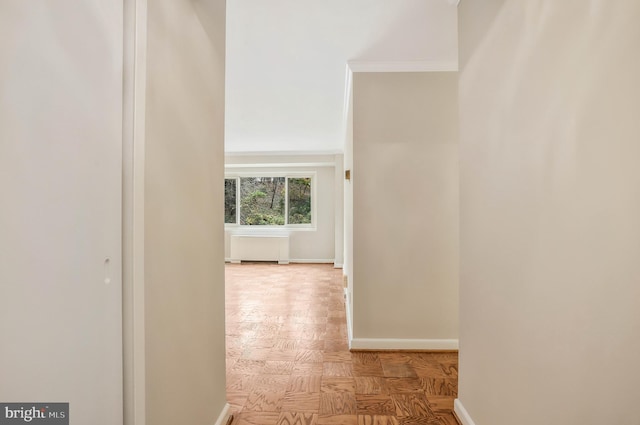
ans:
(287, 175)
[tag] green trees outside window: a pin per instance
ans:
(262, 201)
(300, 200)
(230, 200)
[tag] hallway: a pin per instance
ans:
(288, 360)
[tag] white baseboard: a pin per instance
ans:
(347, 303)
(295, 260)
(224, 415)
(311, 261)
(337, 265)
(461, 413)
(403, 344)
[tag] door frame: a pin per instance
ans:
(133, 195)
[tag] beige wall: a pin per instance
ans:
(185, 362)
(405, 206)
(61, 188)
(550, 200)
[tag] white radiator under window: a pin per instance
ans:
(260, 248)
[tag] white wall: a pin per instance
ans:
(60, 180)
(305, 245)
(550, 200)
(405, 208)
(184, 268)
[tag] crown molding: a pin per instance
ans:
(329, 152)
(402, 66)
(282, 165)
(348, 92)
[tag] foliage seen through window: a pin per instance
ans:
(230, 201)
(268, 201)
(299, 200)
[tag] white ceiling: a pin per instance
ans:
(286, 63)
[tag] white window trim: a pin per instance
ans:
(238, 228)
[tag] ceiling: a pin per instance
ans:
(286, 63)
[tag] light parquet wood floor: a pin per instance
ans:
(288, 361)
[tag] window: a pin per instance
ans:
(230, 193)
(284, 200)
(299, 190)
(262, 201)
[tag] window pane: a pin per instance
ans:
(230, 200)
(262, 201)
(300, 201)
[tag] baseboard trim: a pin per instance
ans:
(224, 415)
(403, 344)
(347, 304)
(293, 260)
(461, 413)
(230, 154)
(311, 261)
(337, 265)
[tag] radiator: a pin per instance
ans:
(260, 248)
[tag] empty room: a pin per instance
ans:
(341, 212)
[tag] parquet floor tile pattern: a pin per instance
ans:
(288, 361)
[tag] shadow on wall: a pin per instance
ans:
(387, 46)
(477, 19)
(212, 16)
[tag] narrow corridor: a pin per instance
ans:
(288, 360)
